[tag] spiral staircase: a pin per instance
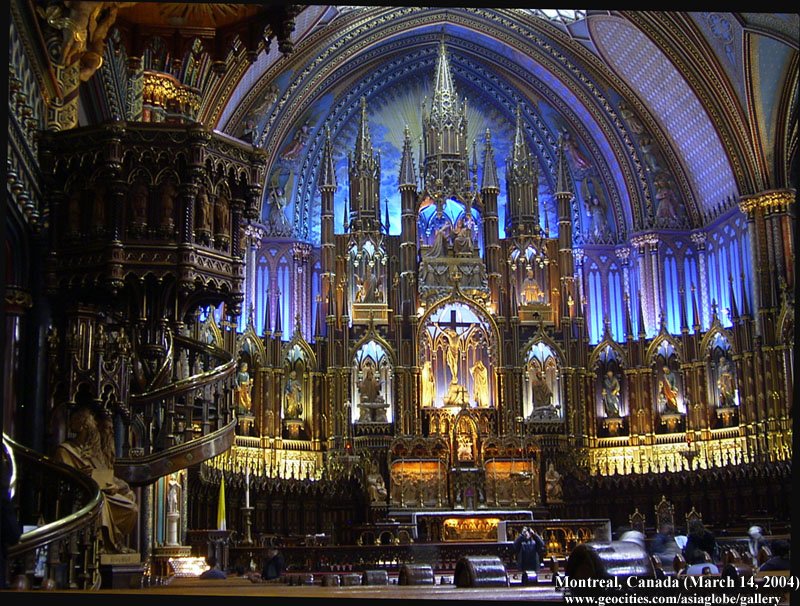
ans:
(184, 417)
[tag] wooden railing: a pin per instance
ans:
(64, 505)
(186, 421)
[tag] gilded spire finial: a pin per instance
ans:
(407, 176)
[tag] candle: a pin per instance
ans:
(247, 486)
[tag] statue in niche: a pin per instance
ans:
(203, 211)
(168, 194)
(293, 406)
(376, 487)
(244, 386)
(668, 391)
(610, 394)
(370, 386)
(453, 350)
(531, 291)
(725, 383)
(464, 452)
(428, 386)
(463, 235)
(173, 495)
(367, 286)
(222, 216)
(480, 384)
(92, 452)
(441, 240)
(139, 203)
(278, 223)
(552, 485)
(542, 394)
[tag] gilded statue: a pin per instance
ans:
(91, 451)
(725, 383)
(480, 384)
(243, 390)
(610, 394)
(668, 390)
(531, 291)
(367, 286)
(453, 350)
(293, 405)
(428, 385)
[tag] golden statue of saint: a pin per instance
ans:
(428, 392)
(480, 384)
(531, 291)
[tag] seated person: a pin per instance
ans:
(213, 572)
(780, 557)
(701, 546)
(274, 565)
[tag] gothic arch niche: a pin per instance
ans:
(668, 396)
(458, 348)
(367, 279)
(610, 391)
(542, 385)
(372, 383)
(531, 270)
(723, 389)
(296, 387)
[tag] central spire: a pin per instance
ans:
(444, 107)
(446, 170)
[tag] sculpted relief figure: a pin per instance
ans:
(244, 386)
(92, 452)
(293, 405)
(552, 485)
(668, 390)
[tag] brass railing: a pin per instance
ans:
(64, 505)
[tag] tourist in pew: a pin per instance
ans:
(529, 548)
(780, 557)
(701, 545)
(664, 545)
(755, 539)
(213, 571)
(274, 566)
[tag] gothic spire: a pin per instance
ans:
(520, 154)
(363, 151)
(327, 178)
(407, 176)
(695, 310)
(489, 178)
(444, 107)
(734, 312)
(278, 320)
